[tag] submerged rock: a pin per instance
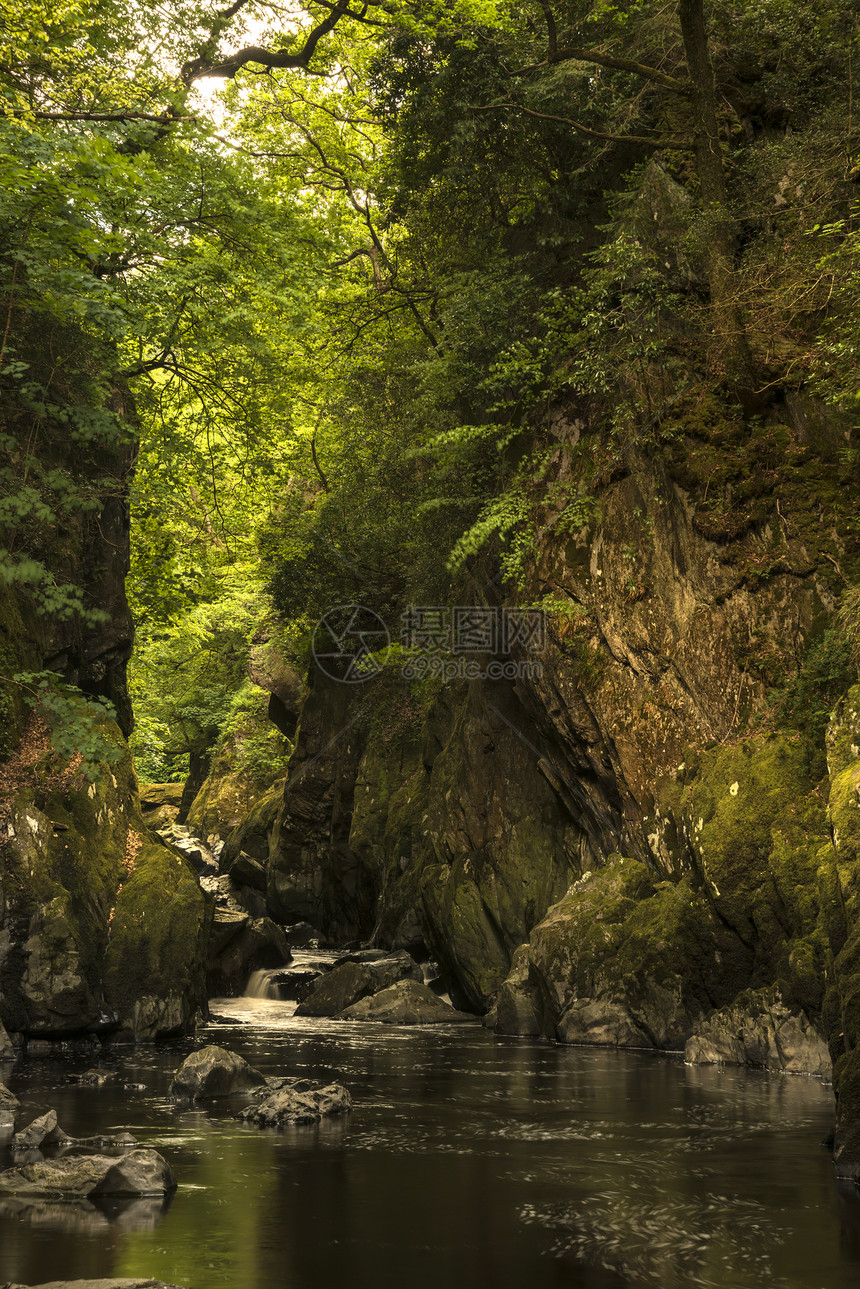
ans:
(406, 1003)
(141, 1172)
(94, 1078)
(46, 1131)
(299, 1102)
(214, 1072)
(760, 1029)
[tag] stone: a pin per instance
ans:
(155, 968)
(301, 935)
(111, 1283)
(391, 967)
(300, 1103)
(7, 1047)
(247, 871)
(44, 1131)
(94, 1078)
(337, 990)
(214, 1072)
(9, 1107)
(760, 1029)
(517, 1009)
(406, 1003)
(195, 851)
(602, 1022)
(225, 925)
(77, 1177)
(294, 983)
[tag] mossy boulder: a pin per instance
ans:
(625, 960)
(155, 970)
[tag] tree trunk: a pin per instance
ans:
(722, 276)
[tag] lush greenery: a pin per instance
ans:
(392, 287)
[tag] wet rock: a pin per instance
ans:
(155, 970)
(760, 1029)
(141, 1172)
(517, 1009)
(602, 1022)
(247, 871)
(94, 1078)
(226, 924)
(406, 1003)
(9, 1107)
(95, 1284)
(337, 990)
(294, 983)
(7, 1047)
(258, 945)
(300, 1103)
(44, 1131)
(391, 967)
(214, 1072)
(301, 935)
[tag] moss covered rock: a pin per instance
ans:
(155, 969)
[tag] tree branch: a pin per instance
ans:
(227, 67)
(579, 55)
(653, 141)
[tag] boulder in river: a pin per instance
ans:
(406, 1003)
(77, 1177)
(214, 1072)
(46, 1131)
(337, 990)
(298, 1102)
(760, 1029)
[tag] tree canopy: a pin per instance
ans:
(351, 261)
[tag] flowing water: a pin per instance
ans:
(468, 1162)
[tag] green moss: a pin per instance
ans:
(729, 809)
(843, 732)
(844, 813)
(158, 936)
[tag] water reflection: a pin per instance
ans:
(467, 1161)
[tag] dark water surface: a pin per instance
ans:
(469, 1162)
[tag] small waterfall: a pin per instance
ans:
(261, 985)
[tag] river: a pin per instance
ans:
(469, 1162)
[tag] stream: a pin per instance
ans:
(468, 1160)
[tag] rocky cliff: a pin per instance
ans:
(644, 831)
(103, 928)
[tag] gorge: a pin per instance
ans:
(429, 557)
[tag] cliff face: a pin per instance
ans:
(102, 927)
(634, 836)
